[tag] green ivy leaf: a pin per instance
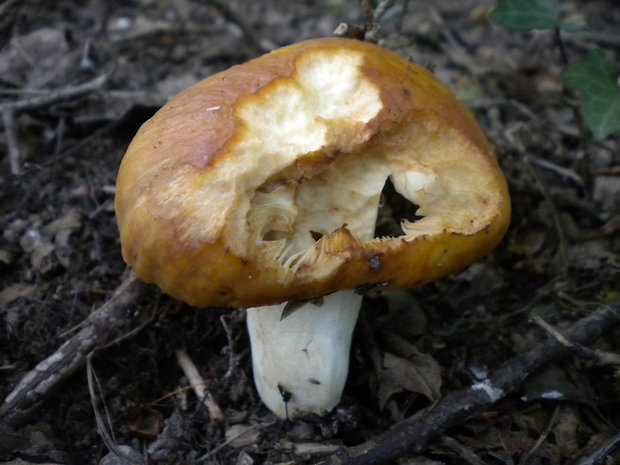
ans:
(527, 15)
(596, 81)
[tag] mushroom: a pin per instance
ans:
(260, 186)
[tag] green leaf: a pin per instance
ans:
(527, 15)
(596, 81)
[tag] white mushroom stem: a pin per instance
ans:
(301, 362)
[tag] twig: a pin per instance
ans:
(104, 428)
(552, 331)
(539, 442)
(609, 228)
(601, 455)
(597, 356)
(401, 16)
(555, 217)
(454, 49)
(462, 451)
(307, 449)
(349, 31)
(372, 18)
(204, 458)
(371, 30)
(8, 119)
(54, 96)
(381, 9)
(8, 110)
(6, 6)
(98, 329)
(566, 174)
(604, 37)
(198, 385)
(557, 35)
(231, 16)
(233, 359)
(414, 433)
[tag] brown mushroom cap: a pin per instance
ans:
(258, 184)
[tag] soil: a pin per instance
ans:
(60, 255)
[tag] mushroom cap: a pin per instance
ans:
(261, 184)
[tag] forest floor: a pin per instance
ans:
(78, 78)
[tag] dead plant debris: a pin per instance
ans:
(432, 370)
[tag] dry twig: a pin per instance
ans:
(597, 356)
(525, 458)
(561, 254)
(463, 452)
(198, 385)
(9, 109)
(233, 359)
(230, 15)
(96, 331)
(413, 434)
(55, 96)
(371, 30)
(104, 427)
(601, 455)
(372, 18)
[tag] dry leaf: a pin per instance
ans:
(242, 435)
(36, 59)
(419, 374)
(567, 432)
(244, 459)
(144, 422)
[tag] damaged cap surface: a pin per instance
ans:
(261, 184)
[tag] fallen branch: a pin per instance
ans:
(413, 434)
(95, 332)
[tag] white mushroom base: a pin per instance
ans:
(301, 362)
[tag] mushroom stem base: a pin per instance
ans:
(301, 362)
